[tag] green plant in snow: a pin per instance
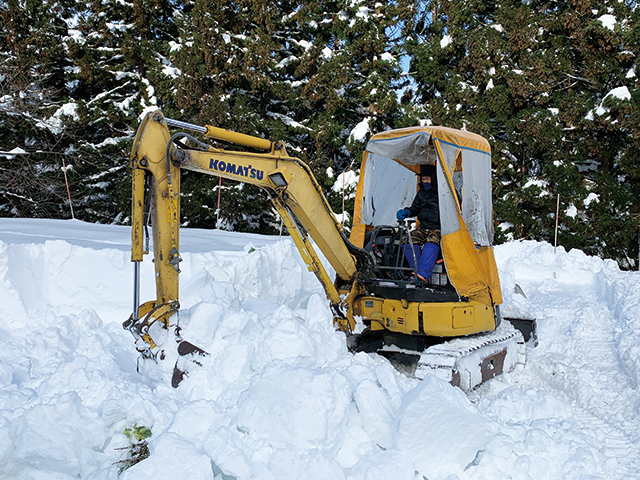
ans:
(137, 433)
(139, 449)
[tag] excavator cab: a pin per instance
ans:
(465, 271)
(388, 182)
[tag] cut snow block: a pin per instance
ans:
(288, 407)
(449, 434)
(376, 411)
(61, 437)
(383, 465)
(172, 457)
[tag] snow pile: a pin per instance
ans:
(279, 396)
(446, 41)
(449, 434)
(360, 131)
(55, 123)
(347, 180)
(608, 21)
(12, 154)
(620, 93)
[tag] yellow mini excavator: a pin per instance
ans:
(449, 325)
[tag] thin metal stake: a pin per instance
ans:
(218, 209)
(555, 241)
(66, 181)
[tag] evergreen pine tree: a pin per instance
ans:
(345, 64)
(227, 54)
(549, 83)
(118, 53)
(306, 74)
(32, 90)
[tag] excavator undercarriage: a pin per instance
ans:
(465, 362)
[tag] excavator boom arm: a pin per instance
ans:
(157, 159)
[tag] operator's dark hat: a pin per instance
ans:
(431, 171)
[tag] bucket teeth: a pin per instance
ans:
(186, 348)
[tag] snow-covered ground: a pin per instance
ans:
(280, 397)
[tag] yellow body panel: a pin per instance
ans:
(447, 319)
(358, 230)
(489, 263)
(464, 267)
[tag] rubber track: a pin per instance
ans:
(461, 347)
(444, 359)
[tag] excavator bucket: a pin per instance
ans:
(152, 332)
(526, 326)
(189, 355)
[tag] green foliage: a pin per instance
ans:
(139, 449)
(138, 433)
(535, 78)
(547, 84)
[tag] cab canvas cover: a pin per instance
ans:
(463, 163)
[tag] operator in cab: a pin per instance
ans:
(426, 235)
